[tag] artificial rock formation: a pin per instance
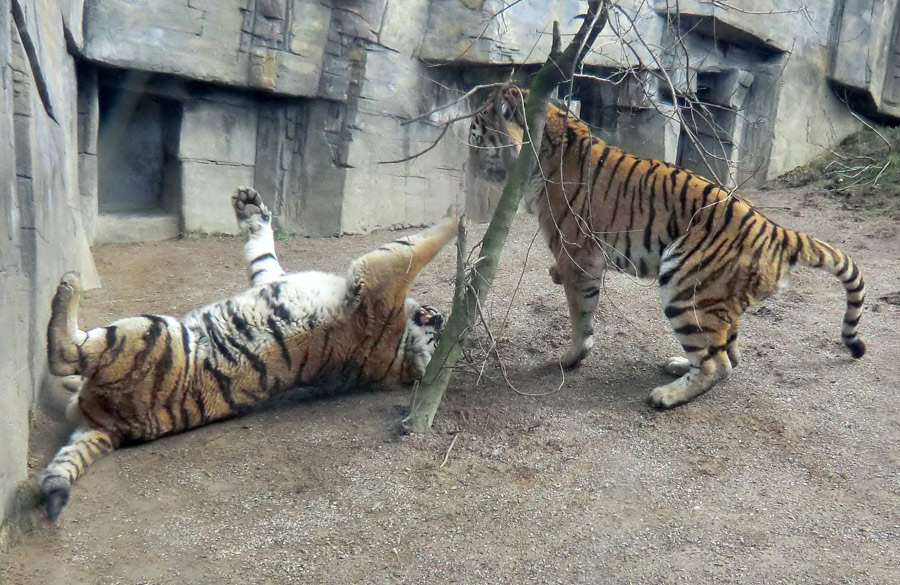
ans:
(307, 99)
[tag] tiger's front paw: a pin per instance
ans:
(667, 396)
(249, 209)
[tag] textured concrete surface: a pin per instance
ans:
(763, 74)
(41, 235)
(279, 46)
(137, 227)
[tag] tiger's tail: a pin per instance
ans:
(818, 254)
(85, 446)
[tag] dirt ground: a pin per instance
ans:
(789, 472)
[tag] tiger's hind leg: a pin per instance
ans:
(85, 446)
(255, 221)
(391, 269)
(708, 364)
(731, 346)
(582, 288)
(63, 336)
(680, 365)
(704, 319)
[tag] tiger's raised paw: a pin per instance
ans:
(249, 209)
(68, 291)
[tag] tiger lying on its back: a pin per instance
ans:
(149, 376)
(713, 253)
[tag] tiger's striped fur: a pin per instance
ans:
(149, 376)
(713, 253)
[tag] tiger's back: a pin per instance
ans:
(712, 251)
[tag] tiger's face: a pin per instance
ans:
(423, 330)
(495, 134)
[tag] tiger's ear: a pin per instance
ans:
(390, 270)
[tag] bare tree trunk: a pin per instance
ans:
(472, 289)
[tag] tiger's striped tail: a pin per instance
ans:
(85, 446)
(818, 254)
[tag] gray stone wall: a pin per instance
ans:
(41, 234)
(866, 57)
(273, 45)
(723, 91)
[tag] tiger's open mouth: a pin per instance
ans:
(428, 315)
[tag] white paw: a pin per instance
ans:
(72, 383)
(677, 366)
(667, 396)
(69, 286)
(577, 353)
(249, 209)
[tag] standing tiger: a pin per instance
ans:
(149, 376)
(713, 253)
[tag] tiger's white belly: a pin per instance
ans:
(303, 294)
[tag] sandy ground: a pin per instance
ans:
(787, 473)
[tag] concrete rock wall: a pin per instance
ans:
(41, 234)
(865, 59)
(272, 45)
(721, 93)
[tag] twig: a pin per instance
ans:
(461, 98)
(418, 154)
(447, 124)
(450, 448)
(484, 30)
(873, 129)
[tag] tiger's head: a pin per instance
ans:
(495, 134)
(423, 330)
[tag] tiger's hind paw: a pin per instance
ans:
(667, 396)
(63, 336)
(553, 271)
(677, 366)
(249, 209)
(65, 303)
(56, 496)
(577, 353)
(69, 287)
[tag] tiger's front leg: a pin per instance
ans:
(582, 286)
(255, 221)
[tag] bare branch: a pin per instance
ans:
(418, 154)
(555, 50)
(484, 30)
(461, 98)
